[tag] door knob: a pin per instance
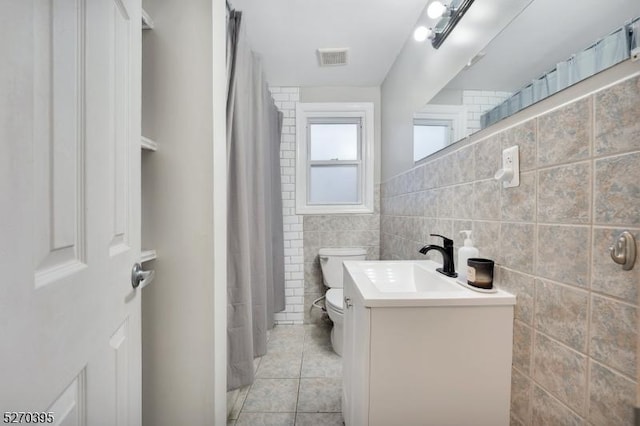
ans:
(139, 277)
(347, 302)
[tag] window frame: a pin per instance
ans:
(358, 162)
(432, 122)
(455, 114)
(328, 113)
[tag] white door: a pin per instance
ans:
(70, 211)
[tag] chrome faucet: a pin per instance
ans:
(448, 267)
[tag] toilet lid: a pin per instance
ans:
(334, 298)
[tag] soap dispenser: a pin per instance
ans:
(464, 253)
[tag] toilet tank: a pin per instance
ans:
(331, 263)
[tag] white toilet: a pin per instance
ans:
(331, 263)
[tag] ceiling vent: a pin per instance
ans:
(332, 57)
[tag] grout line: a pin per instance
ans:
(585, 355)
(587, 393)
(304, 341)
(244, 401)
(559, 401)
(591, 255)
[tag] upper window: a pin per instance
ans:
(430, 136)
(334, 167)
(437, 126)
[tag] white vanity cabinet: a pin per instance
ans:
(355, 358)
(437, 364)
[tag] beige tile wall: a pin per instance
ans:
(335, 231)
(576, 319)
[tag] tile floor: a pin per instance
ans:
(298, 382)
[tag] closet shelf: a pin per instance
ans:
(148, 144)
(147, 22)
(147, 255)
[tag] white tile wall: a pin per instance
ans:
(479, 102)
(286, 99)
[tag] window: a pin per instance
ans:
(437, 126)
(430, 136)
(334, 165)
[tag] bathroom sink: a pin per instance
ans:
(420, 347)
(401, 277)
(414, 283)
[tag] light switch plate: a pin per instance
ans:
(511, 160)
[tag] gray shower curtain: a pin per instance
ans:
(255, 287)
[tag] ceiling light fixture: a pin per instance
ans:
(449, 18)
(436, 9)
(422, 33)
(448, 22)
